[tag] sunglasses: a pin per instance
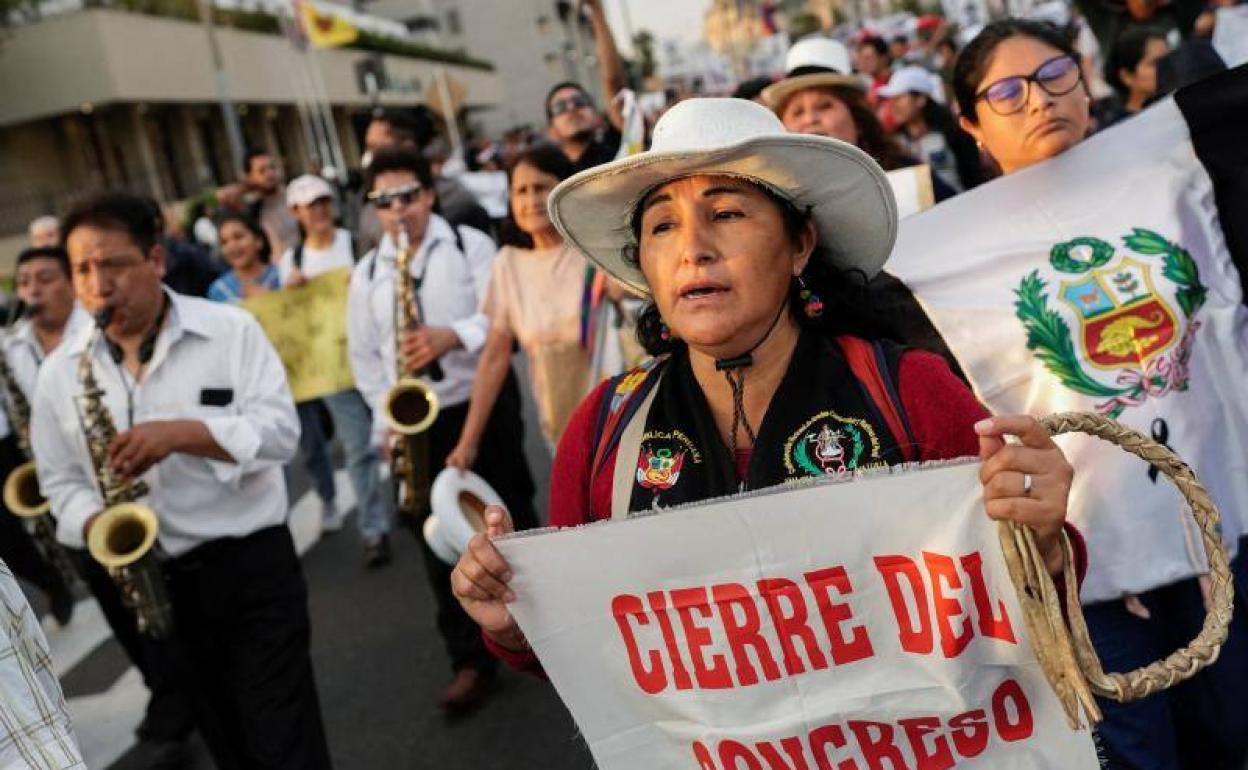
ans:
(405, 195)
(1057, 76)
(567, 104)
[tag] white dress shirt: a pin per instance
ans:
(204, 346)
(24, 353)
(450, 295)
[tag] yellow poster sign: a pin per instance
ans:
(308, 326)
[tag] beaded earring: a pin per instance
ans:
(665, 333)
(812, 304)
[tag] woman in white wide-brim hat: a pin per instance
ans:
(820, 95)
(751, 244)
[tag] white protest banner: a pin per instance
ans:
(855, 626)
(1102, 281)
(912, 189)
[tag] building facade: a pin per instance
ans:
(532, 43)
(121, 100)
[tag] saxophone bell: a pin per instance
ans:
(411, 406)
(21, 492)
(123, 540)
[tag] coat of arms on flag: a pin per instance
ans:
(1133, 315)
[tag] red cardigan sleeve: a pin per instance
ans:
(941, 409)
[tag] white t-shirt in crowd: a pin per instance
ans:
(318, 261)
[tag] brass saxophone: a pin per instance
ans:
(21, 489)
(411, 406)
(123, 537)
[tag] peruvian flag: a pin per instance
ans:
(1111, 279)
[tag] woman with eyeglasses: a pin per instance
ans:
(1022, 96)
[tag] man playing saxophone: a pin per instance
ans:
(51, 316)
(47, 301)
(203, 422)
(447, 272)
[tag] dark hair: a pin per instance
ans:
(751, 88)
(872, 138)
(57, 253)
(903, 39)
(965, 154)
(135, 215)
(877, 43)
(556, 88)
(399, 159)
(1127, 53)
(843, 292)
(548, 159)
(251, 155)
(413, 125)
(973, 62)
(266, 248)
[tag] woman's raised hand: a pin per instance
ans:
(480, 581)
(1027, 482)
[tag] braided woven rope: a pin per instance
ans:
(1069, 659)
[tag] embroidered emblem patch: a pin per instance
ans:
(828, 444)
(663, 455)
(1133, 325)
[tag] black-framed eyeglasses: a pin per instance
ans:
(1057, 76)
(406, 195)
(569, 103)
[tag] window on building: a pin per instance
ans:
(453, 25)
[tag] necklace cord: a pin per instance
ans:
(734, 372)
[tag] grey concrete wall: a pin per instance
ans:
(104, 56)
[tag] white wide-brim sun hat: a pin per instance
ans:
(846, 191)
(813, 62)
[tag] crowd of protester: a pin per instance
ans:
(497, 274)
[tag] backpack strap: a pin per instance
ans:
(297, 256)
(870, 366)
(629, 449)
(459, 239)
(624, 398)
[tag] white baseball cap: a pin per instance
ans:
(845, 191)
(307, 189)
(911, 80)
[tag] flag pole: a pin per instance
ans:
(233, 132)
(333, 141)
(449, 113)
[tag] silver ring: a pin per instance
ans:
(1027, 484)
